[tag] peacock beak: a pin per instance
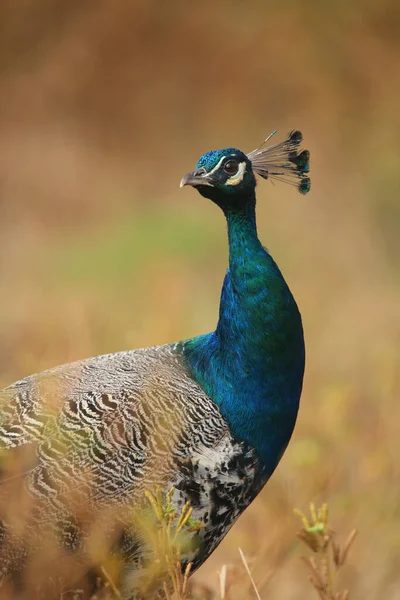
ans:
(196, 178)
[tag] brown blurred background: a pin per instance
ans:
(103, 107)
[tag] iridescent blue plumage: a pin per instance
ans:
(252, 365)
(211, 158)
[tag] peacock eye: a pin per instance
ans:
(231, 167)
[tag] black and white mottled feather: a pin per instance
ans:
(104, 430)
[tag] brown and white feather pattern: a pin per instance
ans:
(93, 435)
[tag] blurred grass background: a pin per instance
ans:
(103, 107)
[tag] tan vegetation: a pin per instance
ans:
(317, 534)
(103, 107)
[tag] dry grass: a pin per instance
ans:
(317, 534)
(169, 538)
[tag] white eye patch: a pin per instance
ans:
(217, 166)
(238, 177)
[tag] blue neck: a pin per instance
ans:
(252, 365)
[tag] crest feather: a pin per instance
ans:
(283, 161)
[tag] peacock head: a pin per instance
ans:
(227, 176)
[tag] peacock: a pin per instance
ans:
(206, 419)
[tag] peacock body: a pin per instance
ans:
(209, 416)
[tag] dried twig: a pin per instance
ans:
(246, 566)
(108, 578)
(222, 582)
